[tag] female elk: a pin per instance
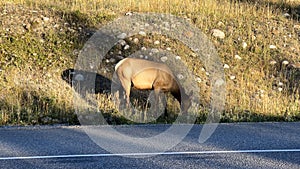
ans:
(148, 75)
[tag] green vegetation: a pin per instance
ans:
(260, 52)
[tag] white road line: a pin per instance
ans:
(151, 154)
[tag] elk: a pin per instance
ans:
(149, 75)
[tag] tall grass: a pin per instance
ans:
(260, 85)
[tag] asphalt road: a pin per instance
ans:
(243, 145)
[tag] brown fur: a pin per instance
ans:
(144, 75)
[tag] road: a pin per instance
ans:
(238, 145)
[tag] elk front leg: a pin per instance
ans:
(126, 86)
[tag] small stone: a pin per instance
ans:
(272, 47)
(154, 50)
(128, 13)
(126, 47)
(232, 77)
(177, 57)
(180, 76)
(220, 23)
(156, 42)
(280, 84)
(198, 79)
(244, 45)
(56, 26)
(136, 40)
(285, 62)
(286, 15)
(46, 19)
(164, 58)
(122, 36)
(226, 66)
(142, 33)
(280, 89)
(143, 48)
(218, 33)
(237, 57)
(168, 48)
(122, 42)
(273, 62)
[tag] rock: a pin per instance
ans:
(177, 57)
(180, 76)
(218, 33)
(273, 62)
(198, 79)
(164, 58)
(136, 40)
(142, 33)
(237, 57)
(122, 36)
(122, 42)
(46, 19)
(286, 15)
(226, 66)
(128, 13)
(126, 47)
(244, 45)
(285, 62)
(154, 50)
(232, 77)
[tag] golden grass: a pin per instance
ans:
(34, 88)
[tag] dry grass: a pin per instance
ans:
(260, 86)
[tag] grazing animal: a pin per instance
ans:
(148, 75)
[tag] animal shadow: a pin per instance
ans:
(85, 82)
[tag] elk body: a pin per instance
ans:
(148, 75)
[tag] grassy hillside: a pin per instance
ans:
(39, 41)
